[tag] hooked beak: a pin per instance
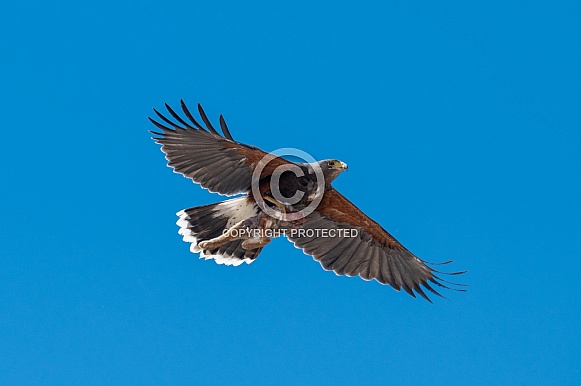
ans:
(344, 166)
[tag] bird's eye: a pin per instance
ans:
(330, 163)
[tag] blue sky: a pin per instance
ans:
(461, 127)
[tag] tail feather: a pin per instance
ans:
(232, 253)
(209, 221)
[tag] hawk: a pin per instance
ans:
(334, 231)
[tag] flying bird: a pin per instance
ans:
(321, 222)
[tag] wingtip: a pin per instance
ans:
(224, 128)
(160, 126)
(423, 294)
(190, 116)
(206, 120)
(431, 289)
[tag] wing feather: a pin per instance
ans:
(343, 259)
(206, 120)
(217, 163)
(372, 254)
(224, 127)
(190, 116)
(338, 261)
(351, 269)
(177, 117)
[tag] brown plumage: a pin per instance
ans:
(225, 166)
(334, 205)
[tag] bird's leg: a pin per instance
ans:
(256, 242)
(264, 222)
(280, 205)
(236, 232)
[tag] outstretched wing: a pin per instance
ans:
(343, 239)
(216, 162)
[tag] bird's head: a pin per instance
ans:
(332, 168)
